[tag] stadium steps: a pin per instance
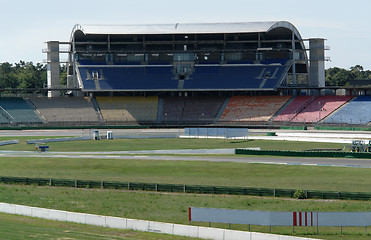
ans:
(17, 110)
(160, 110)
(271, 120)
(37, 112)
(320, 108)
(97, 109)
(221, 110)
(297, 105)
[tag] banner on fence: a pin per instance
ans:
(322, 219)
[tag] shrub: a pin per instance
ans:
(300, 194)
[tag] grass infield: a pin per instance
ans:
(21, 227)
(173, 207)
(192, 173)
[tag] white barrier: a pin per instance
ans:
(64, 139)
(216, 132)
(140, 225)
(2, 143)
(24, 210)
(321, 219)
(116, 222)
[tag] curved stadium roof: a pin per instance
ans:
(187, 28)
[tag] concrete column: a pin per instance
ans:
(53, 68)
(317, 62)
(293, 59)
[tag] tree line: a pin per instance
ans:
(340, 77)
(26, 75)
(29, 75)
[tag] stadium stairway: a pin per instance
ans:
(320, 108)
(293, 108)
(271, 120)
(97, 109)
(222, 108)
(16, 110)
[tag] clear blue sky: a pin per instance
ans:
(27, 25)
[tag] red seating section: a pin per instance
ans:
(295, 107)
(252, 109)
(320, 108)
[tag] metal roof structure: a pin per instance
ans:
(187, 28)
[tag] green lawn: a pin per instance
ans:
(192, 173)
(174, 207)
(21, 227)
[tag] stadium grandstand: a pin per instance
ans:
(184, 74)
(186, 59)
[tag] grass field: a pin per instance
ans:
(20, 227)
(192, 173)
(174, 207)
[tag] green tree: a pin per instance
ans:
(63, 75)
(341, 77)
(30, 76)
(7, 76)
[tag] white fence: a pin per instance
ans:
(216, 132)
(140, 225)
(321, 219)
(64, 139)
(2, 143)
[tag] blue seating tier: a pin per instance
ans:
(203, 77)
(127, 78)
(357, 112)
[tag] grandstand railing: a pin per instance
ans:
(200, 189)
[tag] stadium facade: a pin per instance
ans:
(188, 59)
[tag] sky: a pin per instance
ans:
(26, 25)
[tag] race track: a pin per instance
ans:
(148, 155)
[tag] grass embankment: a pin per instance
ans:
(20, 227)
(174, 207)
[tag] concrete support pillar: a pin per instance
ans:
(317, 62)
(293, 45)
(53, 68)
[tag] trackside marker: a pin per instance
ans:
(311, 218)
(301, 219)
(190, 214)
(294, 218)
